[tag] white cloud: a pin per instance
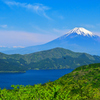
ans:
(88, 25)
(41, 30)
(3, 26)
(97, 33)
(18, 46)
(2, 46)
(98, 25)
(61, 17)
(64, 31)
(37, 8)
(18, 38)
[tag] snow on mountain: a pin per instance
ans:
(81, 31)
(78, 40)
(78, 32)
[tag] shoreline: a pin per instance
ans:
(29, 69)
(12, 71)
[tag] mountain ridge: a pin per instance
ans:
(88, 43)
(57, 58)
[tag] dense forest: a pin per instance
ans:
(83, 83)
(57, 58)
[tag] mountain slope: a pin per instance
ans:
(57, 58)
(78, 40)
(52, 53)
(65, 62)
(12, 66)
(35, 57)
(81, 84)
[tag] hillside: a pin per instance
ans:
(52, 53)
(65, 62)
(38, 56)
(12, 66)
(90, 72)
(81, 84)
(57, 58)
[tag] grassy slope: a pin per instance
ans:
(81, 84)
(91, 73)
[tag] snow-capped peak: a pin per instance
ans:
(81, 31)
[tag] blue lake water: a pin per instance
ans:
(31, 77)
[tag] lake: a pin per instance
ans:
(31, 77)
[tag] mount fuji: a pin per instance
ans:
(78, 40)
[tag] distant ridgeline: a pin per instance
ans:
(77, 40)
(57, 58)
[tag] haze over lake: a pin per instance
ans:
(31, 77)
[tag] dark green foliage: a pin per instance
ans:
(57, 58)
(11, 65)
(81, 84)
(62, 63)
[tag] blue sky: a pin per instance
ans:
(32, 22)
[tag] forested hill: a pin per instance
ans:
(57, 58)
(81, 84)
(38, 56)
